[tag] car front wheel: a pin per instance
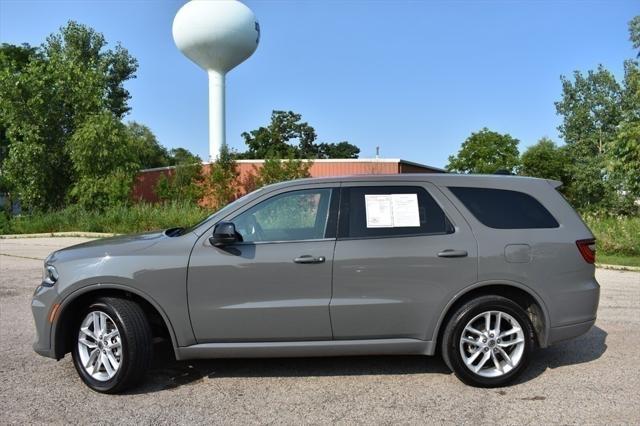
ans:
(113, 346)
(488, 341)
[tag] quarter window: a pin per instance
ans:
(390, 211)
(296, 215)
(504, 209)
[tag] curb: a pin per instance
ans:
(618, 267)
(59, 234)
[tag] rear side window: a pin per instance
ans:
(504, 209)
(390, 211)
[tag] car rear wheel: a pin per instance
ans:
(488, 341)
(113, 346)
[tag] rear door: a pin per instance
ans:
(400, 247)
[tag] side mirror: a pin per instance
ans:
(224, 234)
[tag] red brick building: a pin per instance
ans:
(146, 180)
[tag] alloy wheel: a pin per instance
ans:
(100, 346)
(492, 344)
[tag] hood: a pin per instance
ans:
(113, 246)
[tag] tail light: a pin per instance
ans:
(587, 249)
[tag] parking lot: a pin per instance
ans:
(594, 379)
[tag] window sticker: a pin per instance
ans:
(379, 211)
(392, 210)
(405, 210)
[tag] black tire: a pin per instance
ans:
(136, 340)
(455, 327)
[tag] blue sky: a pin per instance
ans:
(415, 78)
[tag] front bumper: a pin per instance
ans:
(41, 304)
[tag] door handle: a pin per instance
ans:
(309, 259)
(453, 253)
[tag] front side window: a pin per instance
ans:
(390, 211)
(291, 216)
(504, 209)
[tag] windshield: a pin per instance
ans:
(223, 211)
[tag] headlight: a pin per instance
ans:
(49, 275)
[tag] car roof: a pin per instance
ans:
(441, 179)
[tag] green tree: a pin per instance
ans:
(182, 156)
(590, 107)
(600, 128)
(634, 32)
(45, 96)
(485, 151)
(624, 157)
(13, 59)
(591, 113)
(278, 170)
(81, 48)
(223, 178)
(337, 150)
(104, 158)
(545, 160)
(274, 140)
(288, 136)
(150, 153)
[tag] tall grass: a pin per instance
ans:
(118, 219)
(616, 235)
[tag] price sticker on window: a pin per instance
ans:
(379, 211)
(405, 210)
(392, 210)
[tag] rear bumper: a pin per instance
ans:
(573, 307)
(558, 334)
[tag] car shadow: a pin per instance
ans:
(166, 373)
(583, 349)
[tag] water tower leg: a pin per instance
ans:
(216, 114)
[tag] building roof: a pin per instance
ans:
(329, 160)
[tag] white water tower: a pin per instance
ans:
(217, 35)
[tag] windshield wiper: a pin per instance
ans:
(173, 232)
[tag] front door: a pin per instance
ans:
(400, 247)
(276, 284)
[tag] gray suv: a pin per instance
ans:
(480, 268)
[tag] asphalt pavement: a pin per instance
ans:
(594, 379)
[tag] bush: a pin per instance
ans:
(93, 193)
(222, 178)
(183, 183)
(5, 225)
(276, 170)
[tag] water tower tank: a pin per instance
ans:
(217, 36)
